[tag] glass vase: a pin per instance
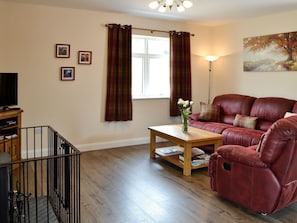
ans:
(185, 122)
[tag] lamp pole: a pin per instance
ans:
(209, 80)
(210, 59)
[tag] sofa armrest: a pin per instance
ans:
(240, 154)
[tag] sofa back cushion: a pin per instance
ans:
(270, 109)
(233, 104)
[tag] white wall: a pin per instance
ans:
(76, 109)
(28, 36)
(201, 46)
(228, 70)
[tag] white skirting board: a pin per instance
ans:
(100, 146)
(116, 144)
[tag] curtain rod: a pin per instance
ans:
(150, 30)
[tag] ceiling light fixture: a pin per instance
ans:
(162, 5)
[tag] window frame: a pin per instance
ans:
(146, 60)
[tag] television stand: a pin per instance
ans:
(6, 108)
(10, 135)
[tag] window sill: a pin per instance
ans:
(149, 97)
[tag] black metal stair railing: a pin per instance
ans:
(44, 186)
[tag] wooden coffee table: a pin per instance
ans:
(174, 134)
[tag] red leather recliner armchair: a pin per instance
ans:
(263, 177)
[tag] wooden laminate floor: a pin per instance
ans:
(124, 185)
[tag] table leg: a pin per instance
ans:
(152, 145)
(187, 159)
(217, 145)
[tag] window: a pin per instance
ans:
(150, 67)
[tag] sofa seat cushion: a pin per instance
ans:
(215, 127)
(241, 136)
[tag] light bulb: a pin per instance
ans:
(211, 58)
(162, 8)
(187, 4)
(154, 5)
(180, 8)
(169, 2)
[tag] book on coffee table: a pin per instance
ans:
(196, 152)
(198, 157)
(170, 150)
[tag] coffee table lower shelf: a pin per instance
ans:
(174, 159)
(193, 138)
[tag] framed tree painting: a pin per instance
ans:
(277, 52)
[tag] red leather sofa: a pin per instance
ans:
(257, 165)
(262, 177)
(266, 110)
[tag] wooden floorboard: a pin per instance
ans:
(123, 185)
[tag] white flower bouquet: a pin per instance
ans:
(185, 110)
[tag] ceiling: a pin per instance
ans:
(208, 12)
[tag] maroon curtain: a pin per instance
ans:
(180, 69)
(118, 106)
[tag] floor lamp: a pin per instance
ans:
(210, 59)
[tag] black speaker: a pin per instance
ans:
(4, 186)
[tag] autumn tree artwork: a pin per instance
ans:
(277, 52)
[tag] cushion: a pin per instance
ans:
(209, 112)
(289, 114)
(245, 121)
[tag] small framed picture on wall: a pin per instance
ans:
(84, 57)
(67, 73)
(62, 50)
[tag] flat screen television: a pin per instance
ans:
(8, 90)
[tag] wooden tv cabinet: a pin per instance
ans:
(10, 137)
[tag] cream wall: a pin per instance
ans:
(228, 70)
(76, 109)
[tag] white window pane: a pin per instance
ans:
(138, 45)
(158, 46)
(158, 77)
(150, 67)
(137, 76)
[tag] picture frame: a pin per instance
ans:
(62, 50)
(85, 57)
(67, 73)
(270, 53)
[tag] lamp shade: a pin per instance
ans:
(162, 8)
(211, 58)
(162, 5)
(154, 5)
(187, 4)
(169, 2)
(180, 8)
